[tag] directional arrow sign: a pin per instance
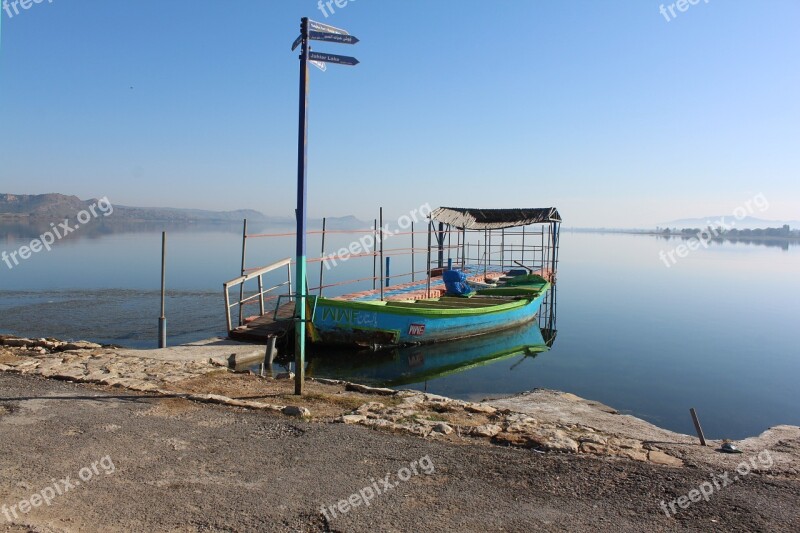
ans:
(318, 26)
(332, 58)
(297, 42)
(333, 37)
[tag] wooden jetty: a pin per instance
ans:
(276, 322)
(260, 328)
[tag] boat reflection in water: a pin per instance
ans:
(415, 364)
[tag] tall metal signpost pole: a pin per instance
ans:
(309, 30)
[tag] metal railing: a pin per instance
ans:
(259, 275)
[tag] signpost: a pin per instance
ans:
(332, 37)
(318, 26)
(333, 58)
(309, 29)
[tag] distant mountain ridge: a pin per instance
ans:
(55, 206)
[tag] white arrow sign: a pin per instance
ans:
(318, 26)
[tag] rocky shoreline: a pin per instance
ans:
(542, 420)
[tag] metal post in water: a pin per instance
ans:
(381, 261)
(162, 320)
(269, 356)
(374, 256)
(302, 155)
(388, 263)
(241, 285)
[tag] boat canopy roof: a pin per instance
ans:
(470, 218)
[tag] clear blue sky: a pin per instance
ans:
(603, 109)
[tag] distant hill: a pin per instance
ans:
(744, 223)
(54, 207)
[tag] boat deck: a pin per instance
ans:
(415, 290)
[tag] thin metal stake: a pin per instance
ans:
(697, 426)
(162, 320)
(241, 285)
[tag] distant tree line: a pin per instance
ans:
(784, 231)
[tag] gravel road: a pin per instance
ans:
(107, 460)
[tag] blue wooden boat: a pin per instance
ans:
(424, 321)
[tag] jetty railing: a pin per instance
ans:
(259, 296)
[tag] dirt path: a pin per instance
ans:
(184, 466)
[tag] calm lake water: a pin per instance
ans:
(714, 331)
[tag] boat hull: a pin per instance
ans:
(343, 322)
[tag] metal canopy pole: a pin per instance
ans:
(374, 256)
(440, 241)
(463, 248)
(428, 285)
(413, 275)
(502, 249)
(322, 255)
